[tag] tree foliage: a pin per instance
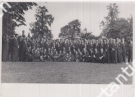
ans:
(114, 27)
(14, 17)
(88, 35)
(43, 21)
(71, 30)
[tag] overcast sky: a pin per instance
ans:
(89, 14)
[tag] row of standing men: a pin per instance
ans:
(40, 49)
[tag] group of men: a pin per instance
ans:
(29, 49)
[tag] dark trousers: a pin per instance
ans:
(119, 56)
(112, 56)
(102, 60)
(23, 56)
(29, 58)
(4, 54)
(115, 56)
(130, 56)
(15, 54)
(108, 56)
(85, 59)
(123, 56)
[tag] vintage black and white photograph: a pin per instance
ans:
(67, 42)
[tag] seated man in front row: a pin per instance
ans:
(85, 55)
(96, 56)
(102, 56)
(29, 54)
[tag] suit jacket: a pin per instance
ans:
(119, 47)
(123, 47)
(23, 45)
(15, 43)
(105, 47)
(103, 55)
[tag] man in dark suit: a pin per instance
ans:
(110, 50)
(96, 56)
(119, 50)
(114, 51)
(105, 49)
(85, 55)
(130, 51)
(102, 56)
(100, 45)
(123, 50)
(23, 48)
(19, 51)
(29, 54)
(5, 47)
(15, 48)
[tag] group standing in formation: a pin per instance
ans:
(29, 49)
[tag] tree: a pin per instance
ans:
(86, 35)
(71, 30)
(43, 21)
(14, 17)
(124, 28)
(115, 27)
(110, 21)
(130, 28)
(112, 14)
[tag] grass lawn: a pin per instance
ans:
(61, 72)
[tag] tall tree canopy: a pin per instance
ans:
(114, 27)
(71, 30)
(14, 16)
(110, 20)
(43, 21)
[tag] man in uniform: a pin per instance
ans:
(105, 49)
(102, 56)
(67, 57)
(100, 45)
(76, 56)
(119, 50)
(23, 48)
(5, 47)
(91, 55)
(130, 51)
(85, 55)
(80, 56)
(123, 50)
(29, 54)
(114, 51)
(96, 56)
(15, 48)
(19, 50)
(37, 55)
(110, 50)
